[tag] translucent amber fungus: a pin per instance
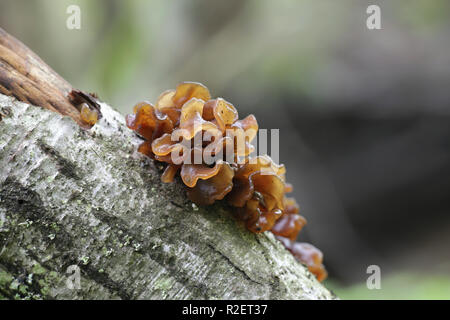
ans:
(88, 116)
(290, 223)
(188, 90)
(307, 254)
(259, 193)
(201, 136)
(88, 105)
(149, 123)
(204, 141)
(312, 257)
(206, 192)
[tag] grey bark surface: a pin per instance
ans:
(70, 196)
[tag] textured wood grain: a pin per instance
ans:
(25, 76)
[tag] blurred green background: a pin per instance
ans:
(364, 116)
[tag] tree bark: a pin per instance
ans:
(76, 199)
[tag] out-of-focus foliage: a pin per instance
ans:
(398, 287)
(131, 50)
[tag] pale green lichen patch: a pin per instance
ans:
(84, 260)
(5, 279)
(163, 284)
(38, 269)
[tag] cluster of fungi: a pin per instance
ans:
(87, 104)
(254, 186)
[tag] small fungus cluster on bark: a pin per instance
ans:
(203, 139)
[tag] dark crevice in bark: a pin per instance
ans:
(66, 167)
(234, 266)
(20, 200)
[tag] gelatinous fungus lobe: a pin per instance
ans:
(307, 254)
(87, 104)
(149, 123)
(290, 223)
(87, 115)
(258, 192)
(312, 257)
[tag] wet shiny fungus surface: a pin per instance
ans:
(202, 140)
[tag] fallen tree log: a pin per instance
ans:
(82, 200)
